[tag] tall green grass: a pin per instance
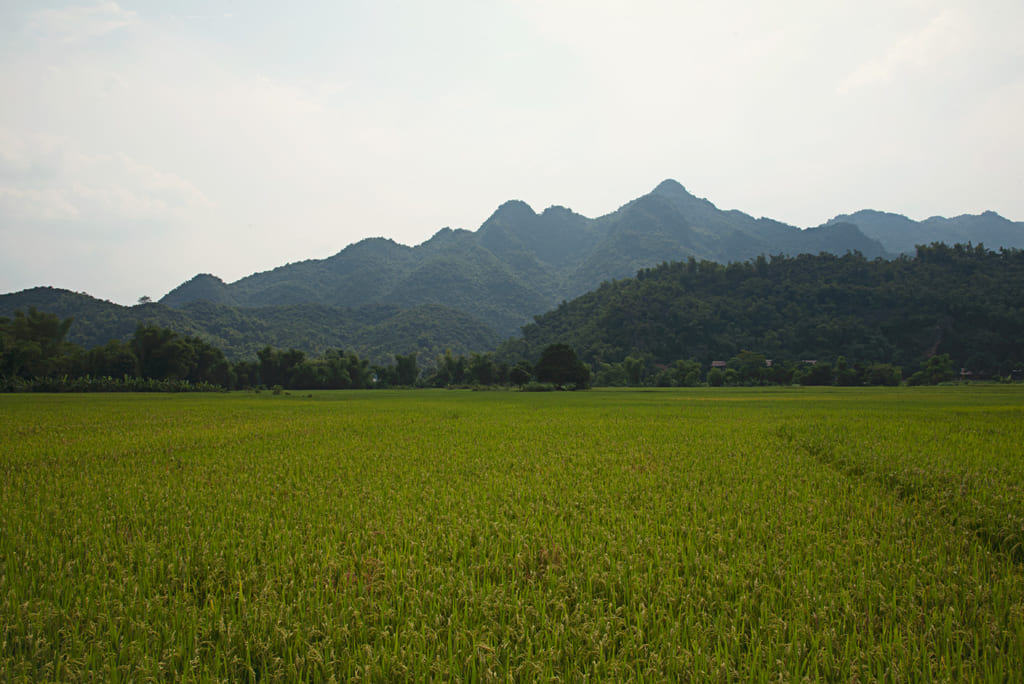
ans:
(611, 535)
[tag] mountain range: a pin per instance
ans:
(521, 263)
(901, 235)
(517, 265)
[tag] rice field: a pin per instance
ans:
(679, 535)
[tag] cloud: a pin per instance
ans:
(27, 158)
(926, 51)
(21, 205)
(45, 179)
(79, 24)
(950, 47)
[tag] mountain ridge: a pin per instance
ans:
(519, 262)
(901, 235)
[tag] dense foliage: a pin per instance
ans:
(560, 366)
(374, 332)
(962, 301)
(948, 312)
(815, 320)
(35, 356)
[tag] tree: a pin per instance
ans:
(883, 374)
(114, 359)
(817, 374)
(450, 370)
(277, 367)
(611, 375)
(32, 344)
(209, 364)
(520, 374)
(843, 375)
(337, 369)
(560, 366)
(750, 367)
(482, 369)
(406, 370)
(634, 367)
(247, 374)
(161, 353)
(685, 373)
(938, 368)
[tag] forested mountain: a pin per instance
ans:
(374, 332)
(901, 235)
(520, 263)
(964, 301)
(466, 290)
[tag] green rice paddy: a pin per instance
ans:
(680, 535)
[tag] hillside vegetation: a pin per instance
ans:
(375, 332)
(964, 301)
(961, 307)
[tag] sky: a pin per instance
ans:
(143, 141)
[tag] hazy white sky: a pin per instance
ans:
(145, 141)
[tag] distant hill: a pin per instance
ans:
(965, 302)
(374, 332)
(900, 235)
(520, 263)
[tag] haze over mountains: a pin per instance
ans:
(900, 235)
(517, 265)
(521, 263)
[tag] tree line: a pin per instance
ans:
(35, 355)
(948, 312)
(753, 369)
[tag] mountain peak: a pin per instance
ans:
(514, 208)
(670, 187)
(203, 286)
(510, 213)
(557, 210)
(206, 279)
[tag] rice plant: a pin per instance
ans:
(701, 535)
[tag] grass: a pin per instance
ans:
(712, 535)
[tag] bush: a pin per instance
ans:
(538, 387)
(88, 383)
